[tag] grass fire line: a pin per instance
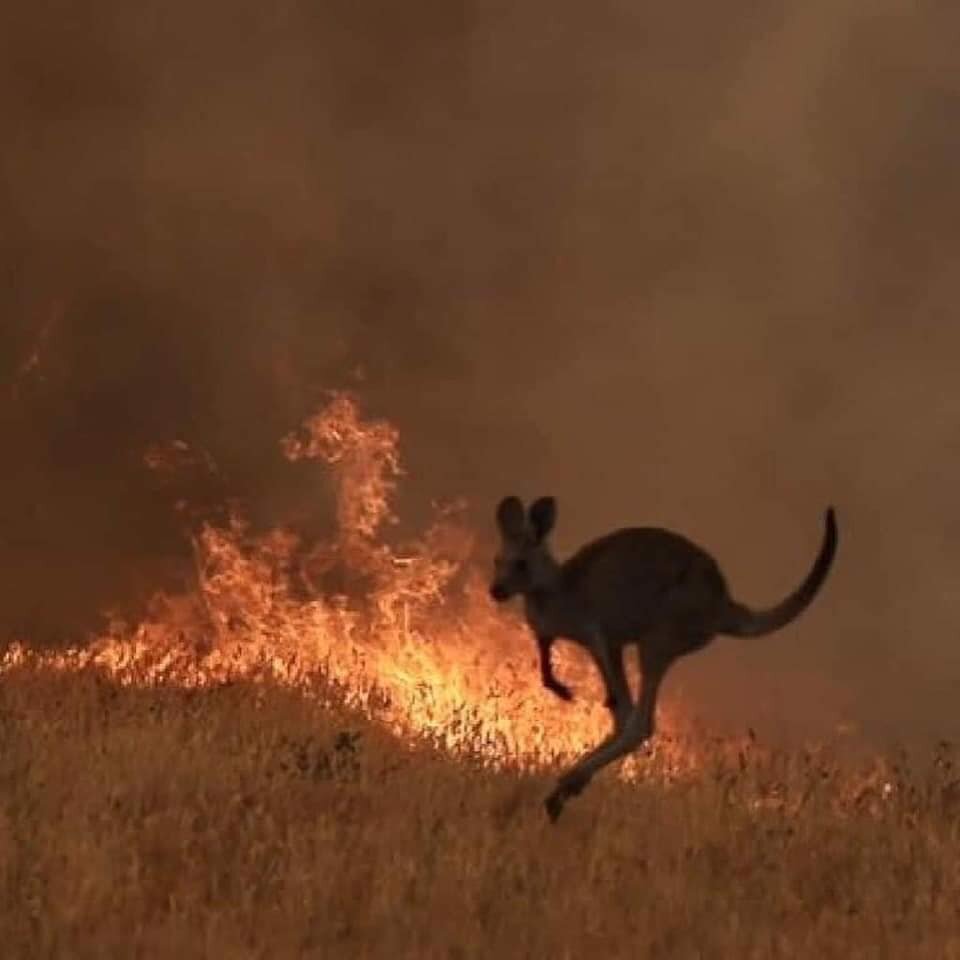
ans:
(427, 657)
(257, 769)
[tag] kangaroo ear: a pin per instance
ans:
(542, 516)
(511, 519)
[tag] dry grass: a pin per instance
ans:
(248, 822)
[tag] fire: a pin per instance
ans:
(406, 633)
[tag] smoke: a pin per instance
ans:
(692, 266)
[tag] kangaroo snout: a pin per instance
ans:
(499, 592)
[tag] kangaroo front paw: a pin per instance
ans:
(560, 689)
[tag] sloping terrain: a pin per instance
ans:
(249, 821)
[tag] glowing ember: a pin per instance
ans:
(411, 637)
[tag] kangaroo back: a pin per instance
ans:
(740, 621)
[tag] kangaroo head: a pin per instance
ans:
(524, 562)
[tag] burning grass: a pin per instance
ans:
(340, 749)
(406, 632)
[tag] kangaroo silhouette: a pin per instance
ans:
(640, 585)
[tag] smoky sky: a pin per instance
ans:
(693, 265)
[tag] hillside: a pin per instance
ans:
(248, 821)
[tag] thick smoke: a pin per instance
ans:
(692, 265)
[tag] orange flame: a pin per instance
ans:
(410, 636)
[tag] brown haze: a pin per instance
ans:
(690, 264)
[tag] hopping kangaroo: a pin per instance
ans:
(640, 585)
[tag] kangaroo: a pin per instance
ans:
(641, 585)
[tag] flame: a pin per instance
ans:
(30, 365)
(407, 634)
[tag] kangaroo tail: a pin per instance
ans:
(740, 621)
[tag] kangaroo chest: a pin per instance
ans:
(548, 615)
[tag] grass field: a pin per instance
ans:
(248, 821)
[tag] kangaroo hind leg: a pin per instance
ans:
(639, 727)
(618, 700)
